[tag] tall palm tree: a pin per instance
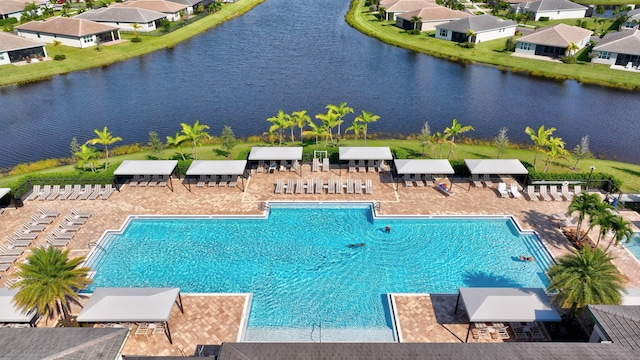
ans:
(621, 229)
(540, 139)
(176, 142)
(280, 122)
(300, 119)
(572, 49)
(357, 127)
(195, 134)
(49, 282)
(583, 203)
(341, 111)
(471, 36)
(56, 45)
(585, 277)
(86, 156)
(366, 118)
(105, 139)
(439, 138)
(455, 130)
(415, 20)
(555, 150)
(316, 131)
(135, 27)
(382, 13)
(601, 217)
(329, 121)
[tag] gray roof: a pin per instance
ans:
(146, 167)
(187, 2)
(11, 6)
(365, 153)
(496, 166)
(122, 14)
(217, 167)
(559, 35)
(8, 311)
(67, 26)
(4, 191)
(276, 153)
(634, 14)
(129, 305)
(620, 323)
(477, 24)
(551, 5)
(421, 166)
(62, 343)
(10, 42)
(507, 304)
(623, 42)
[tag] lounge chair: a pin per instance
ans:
(531, 193)
(153, 181)
(66, 192)
(361, 166)
(69, 228)
(96, 192)
(135, 180)
(41, 220)
(428, 179)
(502, 333)
(352, 166)
(8, 259)
(260, 167)
(56, 242)
(357, 186)
(24, 235)
(157, 329)
(368, 186)
(577, 189)
(4, 267)
(144, 181)
(163, 180)
(349, 186)
(502, 189)
(34, 193)
(444, 189)
(46, 191)
(77, 188)
(233, 182)
(419, 182)
(515, 192)
(143, 329)
(325, 164)
(319, 186)
(55, 192)
(279, 186)
(18, 243)
(86, 192)
(80, 214)
(371, 166)
(211, 180)
(553, 191)
(299, 186)
(566, 193)
(223, 180)
(475, 180)
(49, 213)
(6, 251)
(408, 182)
(33, 227)
(62, 235)
(543, 193)
(107, 191)
(70, 219)
(310, 186)
(487, 181)
(331, 188)
(283, 165)
(290, 186)
(295, 165)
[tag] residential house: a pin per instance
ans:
(15, 48)
(125, 17)
(552, 9)
(172, 10)
(616, 325)
(192, 5)
(14, 8)
(554, 41)
(73, 32)
(483, 27)
(430, 16)
(403, 6)
(621, 49)
(633, 20)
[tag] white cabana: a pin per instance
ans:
(9, 313)
(4, 192)
(275, 153)
(365, 153)
(217, 167)
(109, 305)
(496, 167)
(423, 166)
(631, 297)
(146, 168)
(506, 305)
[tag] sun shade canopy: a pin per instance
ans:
(365, 153)
(496, 166)
(8, 312)
(217, 167)
(507, 304)
(129, 305)
(146, 167)
(4, 191)
(423, 166)
(276, 153)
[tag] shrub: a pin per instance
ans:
(59, 57)
(569, 59)
(254, 139)
(125, 149)
(510, 44)
(34, 166)
(543, 18)
(136, 40)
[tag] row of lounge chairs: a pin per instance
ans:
(418, 179)
(273, 166)
(149, 180)
(527, 331)
(477, 182)
(67, 229)
(552, 194)
(220, 180)
(71, 192)
(364, 166)
(317, 186)
(507, 192)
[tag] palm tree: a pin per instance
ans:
(49, 281)
(86, 155)
(585, 277)
(56, 45)
(415, 20)
(280, 122)
(621, 229)
(176, 142)
(316, 131)
(540, 139)
(357, 127)
(471, 35)
(440, 138)
(555, 150)
(329, 121)
(583, 203)
(455, 130)
(105, 139)
(300, 119)
(382, 13)
(602, 217)
(135, 27)
(366, 118)
(341, 111)
(195, 134)
(572, 48)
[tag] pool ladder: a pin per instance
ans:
(96, 245)
(313, 329)
(264, 206)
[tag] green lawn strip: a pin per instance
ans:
(82, 59)
(629, 174)
(490, 53)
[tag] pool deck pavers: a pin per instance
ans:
(212, 319)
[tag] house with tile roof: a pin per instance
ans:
(124, 17)
(553, 41)
(404, 6)
(619, 49)
(430, 16)
(633, 21)
(11, 9)
(73, 32)
(171, 10)
(617, 324)
(15, 49)
(193, 4)
(485, 28)
(553, 9)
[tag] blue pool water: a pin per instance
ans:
(303, 275)
(633, 245)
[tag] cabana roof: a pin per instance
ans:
(217, 167)
(507, 304)
(276, 153)
(8, 312)
(365, 153)
(146, 167)
(129, 305)
(496, 166)
(4, 191)
(404, 166)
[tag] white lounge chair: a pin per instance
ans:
(57, 242)
(310, 186)
(233, 182)
(319, 186)
(143, 329)
(279, 186)
(349, 186)
(135, 180)
(260, 167)
(6, 251)
(408, 182)
(368, 186)
(352, 166)
(41, 219)
(515, 192)
(107, 191)
(8, 259)
(531, 193)
(502, 189)
(66, 192)
(77, 188)
(46, 190)
(371, 166)
(325, 164)
(331, 188)
(428, 179)
(70, 219)
(49, 213)
(290, 186)
(566, 193)
(33, 227)
(18, 243)
(163, 180)
(475, 180)
(35, 193)
(299, 186)
(86, 192)
(55, 192)
(153, 181)
(69, 228)
(487, 181)
(97, 190)
(62, 235)
(553, 191)
(543, 193)
(24, 235)
(357, 186)
(80, 214)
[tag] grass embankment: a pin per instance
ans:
(488, 53)
(82, 59)
(629, 174)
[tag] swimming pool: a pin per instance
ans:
(304, 277)
(633, 245)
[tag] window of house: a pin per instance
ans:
(524, 46)
(444, 32)
(605, 55)
(87, 39)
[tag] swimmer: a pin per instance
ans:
(387, 229)
(356, 245)
(526, 258)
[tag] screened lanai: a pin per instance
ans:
(365, 158)
(217, 169)
(146, 170)
(9, 314)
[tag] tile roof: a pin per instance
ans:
(122, 14)
(477, 24)
(620, 323)
(407, 5)
(623, 42)
(11, 6)
(10, 42)
(187, 2)
(162, 6)
(560, 35)
(434, 12)
(67, 26)
(551, 5)
(61, 343)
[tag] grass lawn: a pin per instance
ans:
(491, 53)
(82, 59)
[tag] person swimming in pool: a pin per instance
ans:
(526, 258)
(387, 229)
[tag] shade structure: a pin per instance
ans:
(9, 313)
(217, 167)
(4, 192)
(146, 167)
(275, 153)
(421, 166)
(507, 304)
(496, 166)
(129, 304)
(365, 153)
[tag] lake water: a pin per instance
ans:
(294, 55)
